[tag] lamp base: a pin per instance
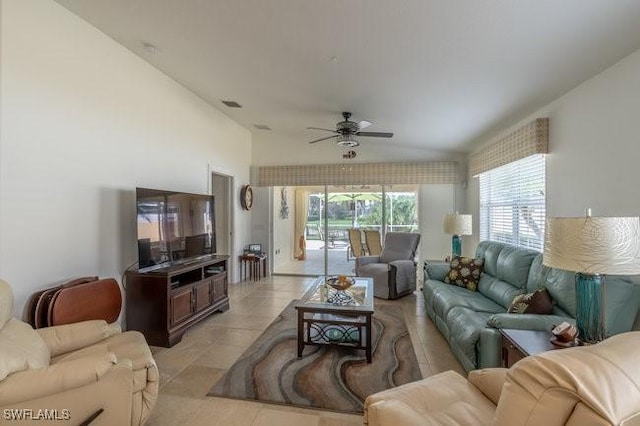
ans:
(456, 245)
(589, 312)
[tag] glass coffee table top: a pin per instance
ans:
(358, 297)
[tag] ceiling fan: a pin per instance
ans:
(346, 132)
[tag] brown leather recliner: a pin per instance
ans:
(72, 373)
(589, 385)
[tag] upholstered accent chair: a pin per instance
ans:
(394, 271)
(585, 385)
(86, 370)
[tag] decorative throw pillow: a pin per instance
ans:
(538, 302)
(465, 272)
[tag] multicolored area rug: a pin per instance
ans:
(334, 378)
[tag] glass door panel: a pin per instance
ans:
(401, 207)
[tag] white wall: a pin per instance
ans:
(594, 144)
(436, 201)
(85, 121)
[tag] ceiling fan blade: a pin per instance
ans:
(324, 139)
(363, 124)
(375, 134)
(320, 128)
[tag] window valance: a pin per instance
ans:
(532, 138)
(427, 172)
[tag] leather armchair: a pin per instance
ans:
(74, 371)
(394, 271)
(589, 385)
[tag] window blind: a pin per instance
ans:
(513, 203)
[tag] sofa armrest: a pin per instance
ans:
(527, 321)
(392, 412)
(365, 260)
(489, 381)
(69, 337)
(435, 270)
(32, 384)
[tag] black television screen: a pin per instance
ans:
(173, 227)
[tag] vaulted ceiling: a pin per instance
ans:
(439, 74)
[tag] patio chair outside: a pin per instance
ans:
(355, 244)
(372, 239)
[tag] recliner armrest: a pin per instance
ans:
(527, 321)
(69, 337)
(37, 383)
(365, 260)
(489, 381)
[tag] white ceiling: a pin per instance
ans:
(437, 73)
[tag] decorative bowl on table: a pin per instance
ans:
(340, 282)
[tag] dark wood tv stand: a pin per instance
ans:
(164, 303)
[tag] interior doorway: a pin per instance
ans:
(222, 190)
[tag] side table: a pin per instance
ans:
(518, 344)
(255, 265)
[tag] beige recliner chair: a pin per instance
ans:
(589, 385)
(72, 373)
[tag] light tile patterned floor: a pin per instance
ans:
(314, 264)
(189, 369)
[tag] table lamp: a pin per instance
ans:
(591, 247)
(457, 225)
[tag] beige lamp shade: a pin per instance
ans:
(458, 224)
(593, 245)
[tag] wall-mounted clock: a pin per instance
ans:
(246, 197)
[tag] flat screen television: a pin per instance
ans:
(173, 227)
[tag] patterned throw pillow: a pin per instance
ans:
(465, 272)
(538, 302)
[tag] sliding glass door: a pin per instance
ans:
(324, 245)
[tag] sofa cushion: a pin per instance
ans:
(447, 297)
(442, 399)
(464, 272)
(538, 302)
(560, 285)
(489, 251)
(497, 290)
(513, 265)
(622, 296)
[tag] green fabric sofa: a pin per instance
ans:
(470, 320)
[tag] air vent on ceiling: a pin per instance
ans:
(232, 104)
(262, 126)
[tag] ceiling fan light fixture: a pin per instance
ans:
(347, 141)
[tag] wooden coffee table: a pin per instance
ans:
(321, 322)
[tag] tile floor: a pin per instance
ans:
(189, 369)
(314, 263)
